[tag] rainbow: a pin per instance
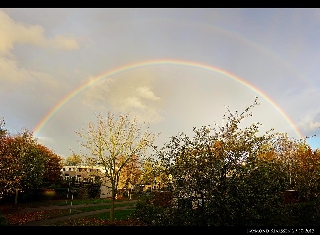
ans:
(150, 63)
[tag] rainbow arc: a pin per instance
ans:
(158, 62)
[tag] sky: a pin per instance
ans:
(172, 68)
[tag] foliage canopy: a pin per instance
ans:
(115, 143)
(233, 175)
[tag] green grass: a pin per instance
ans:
(88, 205)
(101, 218)
(124, 217)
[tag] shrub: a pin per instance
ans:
(88, 191)
(94, 191)
(3, 221)
(300, 214)
(147, 211)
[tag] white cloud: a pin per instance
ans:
(132, 93)
(310, 124)
(45, 140)
(12, 73)
(146, 93)
(133, 102)
(63, 42)
(12, 32)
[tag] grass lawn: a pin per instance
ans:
(14, 217)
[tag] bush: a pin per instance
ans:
(61, 193)
(3, 221)
(30, 195)
(148, 212)
(94, 191)
(88, 191)
(300, 214)
(161, 198)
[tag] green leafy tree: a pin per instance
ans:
(218, 175)
(235, 175)
(148, 171)
(155, 173)
(112, 143)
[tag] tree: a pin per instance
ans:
(155, 173)
(306, 172)
(25, 164)
(10, 178)
(131, 173)
(218, 175)
(52, 163)
(73, 160)
(3, 131)
(31, 160)
(302, 165)
(148, 171)
(112, 144)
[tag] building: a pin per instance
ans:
(87, 174)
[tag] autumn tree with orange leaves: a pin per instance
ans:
(25, 164)
(10, 177)
(306, 169)
(52, 163)
(131, 173)
(302, 166)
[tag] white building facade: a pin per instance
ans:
(87, 174)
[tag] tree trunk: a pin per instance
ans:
(16, 197)
(112, 207)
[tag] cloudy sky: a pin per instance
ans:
(173, 68)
